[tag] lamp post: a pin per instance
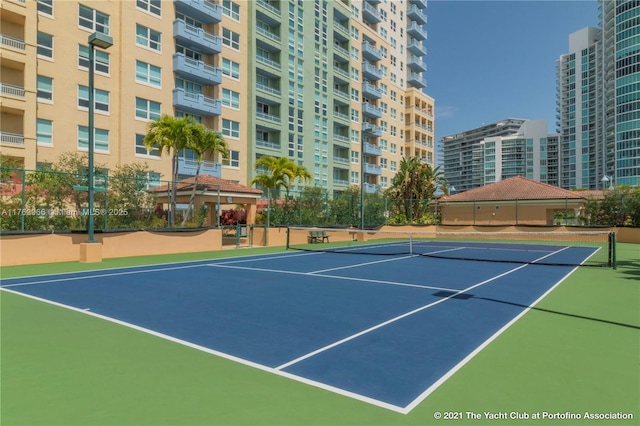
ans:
(102, 41)
(606, 179)
(364, 132)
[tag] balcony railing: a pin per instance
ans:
(8, 89)
(196, 103)
(203, 10)
(12, 139)
(193, 37)
(197, 71)
(187, 166)
(11, 42)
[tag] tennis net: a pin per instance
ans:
(579, 248)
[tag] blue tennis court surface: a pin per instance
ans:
(385, 330)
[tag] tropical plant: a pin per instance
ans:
(282, 172)
(414, 186)
(205, 142)
(172, 135)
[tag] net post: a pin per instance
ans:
(288, 234)
(612, 250)
(410, 243)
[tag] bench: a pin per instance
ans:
(317, 237)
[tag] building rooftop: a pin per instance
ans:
(521, 188)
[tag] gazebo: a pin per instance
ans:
(213, 192)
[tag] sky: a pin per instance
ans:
(490, 60)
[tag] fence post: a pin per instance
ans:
(24, 196)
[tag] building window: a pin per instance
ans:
(44, 132)
(101, 59)
(148, 74)
(151, 6)
(45, 7)
(148, 38)
(354, 157)
(230, 128)
(147, 110)
(45, 89)
(233, 160)
(93, 20)
(101, 99)
(191, 54)
(355, 178)
(101, 139)
(231, 9)
(45, 45)
(230, 98)
(231, 39)
(230, 68)
(143, 150)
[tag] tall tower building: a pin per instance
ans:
(335, 86)
(598, 100)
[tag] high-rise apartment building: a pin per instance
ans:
(335, 86)
(463, 154)
(598, 99)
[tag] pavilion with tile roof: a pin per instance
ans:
(513, 201)
(213, 192)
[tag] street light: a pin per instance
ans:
(102, 41)
(364, 132)
(606, 179)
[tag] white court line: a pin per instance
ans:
(239, 360)
(357, 265)
(399, 317)
(125, 270)
(310, 274)
(477, 350)
(113, 274)
(151, 265)
(277, 370)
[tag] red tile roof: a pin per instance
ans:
(212, 183)
(517, 187)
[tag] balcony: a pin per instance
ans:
(196, 71)
(270, 6)
(204, 11)
(416, 63)
(370, 53)
(12, 43)
(13, 91)
(196, 38)
(268, 61)
(188, 167)
(416, 31)
(263, 143)
(268, 117)
(370, 91)
(341, 75)
(371, 188)
(422, 4)
(370, 72)
(197, 104)
(337, 137)
(370, 14)
(371, 130)
(12, 139)
(371, 149)
(417, 15)
(371, 111)
(416, 47)
(416, 80)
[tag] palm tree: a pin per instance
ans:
(415, 185)
(206, 142)
(172, 135)
(282, 173)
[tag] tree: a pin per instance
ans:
(172, 135)
(205, 142)
(129, 200)
(282, 173)
(414, 186)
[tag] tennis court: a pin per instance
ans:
(386, 330)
